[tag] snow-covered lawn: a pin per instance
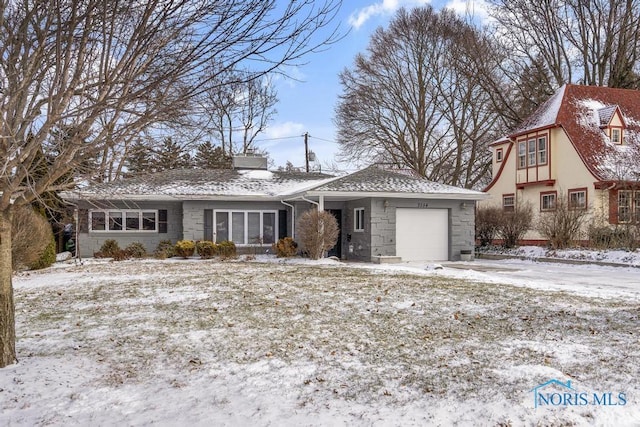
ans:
(192, 342)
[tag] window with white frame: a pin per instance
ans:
(542, 150)
(578, 199)
(499, 155)
(522, 154)
(616, 136)
(124, 220)
(531, 151)
(548, 201)
(508, 202)
(245, 227)
(358, 219)
(628, 206)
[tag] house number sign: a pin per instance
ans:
(423, 205)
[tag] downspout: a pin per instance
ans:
(77, 257)
(293, 218)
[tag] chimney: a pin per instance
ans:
(249, 160)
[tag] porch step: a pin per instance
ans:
(388, 259)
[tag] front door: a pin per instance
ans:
(336, 251)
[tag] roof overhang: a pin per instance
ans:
(546, 183)
(172, 198)
(352, 195)
(533, 130)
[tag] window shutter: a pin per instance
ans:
(83, 220)
(282, 224)
(208, 225)
(162, 221)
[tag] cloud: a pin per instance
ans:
(283, 130)
(384, 7)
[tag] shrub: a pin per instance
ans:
(514, 224)
(206, 249)
(227, 249)
(561, 226)
(136, 250)
(615, 237)
(487, 224)
(285, 247)
(185, 248)
(30, 236)
(47, 258)
(317, 232)
(165, 249)
(109, 249)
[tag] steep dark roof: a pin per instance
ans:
(581, 111)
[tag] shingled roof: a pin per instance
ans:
(376, 179)
(203, 183)
(195, 184)
(582, 111)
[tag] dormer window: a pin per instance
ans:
(616, 136)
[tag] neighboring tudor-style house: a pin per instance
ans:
(579, 147)
(380, 213)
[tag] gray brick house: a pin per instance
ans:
(382, 214)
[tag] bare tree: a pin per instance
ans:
(595, 42)
(108, 71)
(244, 107)
(411, 102)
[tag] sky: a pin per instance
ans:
(307, 104)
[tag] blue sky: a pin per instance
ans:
(308, 105)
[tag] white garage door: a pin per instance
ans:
(422, 234)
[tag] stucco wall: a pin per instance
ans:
(568, 171)
(90, 242)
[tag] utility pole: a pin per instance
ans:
(306, 150)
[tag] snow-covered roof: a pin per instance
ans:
(194, 184)
(583, 112)
(201, 183)
(376, 179)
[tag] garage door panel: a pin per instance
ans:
(422, 234)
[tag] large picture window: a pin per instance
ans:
(246, 227)
(122, 221)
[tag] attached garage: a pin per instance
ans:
(422, 234)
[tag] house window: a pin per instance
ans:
(508, 202)
(531, 151)
(548, 201)
(498, 155)
(629, 206)
(126, 220)
(358, 219)
(245, 227)
(522, 154)
(542, 150)
(578, 199)
(616, 136)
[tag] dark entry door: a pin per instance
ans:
(337, 249)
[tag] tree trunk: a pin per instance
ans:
(7, 309)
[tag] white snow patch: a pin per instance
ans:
(257, 174)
